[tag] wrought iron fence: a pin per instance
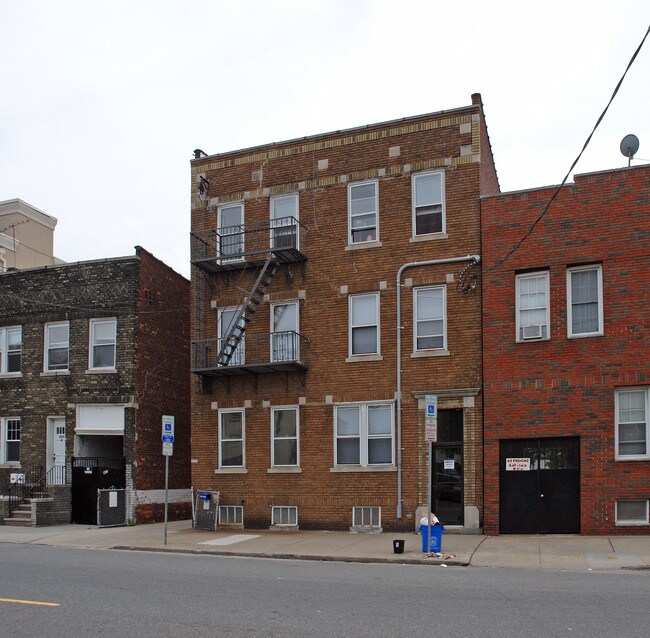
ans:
(111, 507)
(26, 485)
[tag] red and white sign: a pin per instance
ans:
(518, 465)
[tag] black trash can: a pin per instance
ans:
(398, 546)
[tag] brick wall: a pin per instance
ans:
(563, 386)
(389, 153)
(162, 381)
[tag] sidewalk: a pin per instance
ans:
(563, 552)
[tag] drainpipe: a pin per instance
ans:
(398, 395)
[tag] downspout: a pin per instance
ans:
(398, 395)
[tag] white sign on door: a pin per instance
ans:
(518, 465)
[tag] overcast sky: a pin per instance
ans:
(102, 103)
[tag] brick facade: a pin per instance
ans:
(566, 386)
(319, 170)
(149, 302)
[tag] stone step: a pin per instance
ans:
(12, 521)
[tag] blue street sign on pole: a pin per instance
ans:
(168, 438)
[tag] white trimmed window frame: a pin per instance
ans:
(631, 522)
(50, 344)
(416, 322)
(415, 206)
(5, 424)
(284, 516)
(93, 343)
(352, 326)
(369, 228)
(363, 434)
(224, 250)
(521, 324)
(275, 225)
(241, 439)
(295, 439)
(643, 392)
(6, 351)
(569, 302)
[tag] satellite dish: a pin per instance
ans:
(629, 146)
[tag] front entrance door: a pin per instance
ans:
(56, 451)
(447, 499)
(540, 486)
(447, 476)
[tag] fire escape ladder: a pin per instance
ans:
(248, 309)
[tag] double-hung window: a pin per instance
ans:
(363, 434)
(428, 197)
(284, 221)
(284, 435)
(632, 430)
(585, 301)
(285, 344)
(532, 306)
(11, 347)
(429, 318)
(363, 213)
(364, 324)
(103, 333)
(231, 439)
(57, 346)
(10, 440)
(230, 228)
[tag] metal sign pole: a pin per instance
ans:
(429, 498)
(166, 492)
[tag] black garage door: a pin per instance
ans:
(540, 486)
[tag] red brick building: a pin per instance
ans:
(308, 401)
(567, 357)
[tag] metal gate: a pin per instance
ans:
(88, 476)
(111, 507)
(206, 510)
(540, 486)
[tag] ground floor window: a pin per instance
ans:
(363, 434)
(231, 438)
(10, 440)
(632, 512)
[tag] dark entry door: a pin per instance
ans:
(89, 475)
(447, 476)
(540, 486)
(447, 501)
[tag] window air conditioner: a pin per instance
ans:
(531, 332)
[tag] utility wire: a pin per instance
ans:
(559, 188)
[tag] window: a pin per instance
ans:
(632, 512)
(366, 517)
(284, 437)
(284, 516)
(631, 406)
(532, 300)
(227, 318)
(231, 438)
(230, 224)
(585, 301)
(362, 208)
(231, 515)
(364, 434)
(284, 221)
(10, 440)
(364, 324)
(429, 318)
(57, 344)
(428, 196)
(11, 347)
(284, 332)
(102, 343)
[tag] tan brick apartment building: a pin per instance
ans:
(303, 411)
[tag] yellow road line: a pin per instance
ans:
(28, 602)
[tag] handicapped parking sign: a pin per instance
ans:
(431, 402)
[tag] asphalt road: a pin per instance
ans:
(121, 593)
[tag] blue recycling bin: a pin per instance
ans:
(436, 538)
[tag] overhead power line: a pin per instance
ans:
(559, 188)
